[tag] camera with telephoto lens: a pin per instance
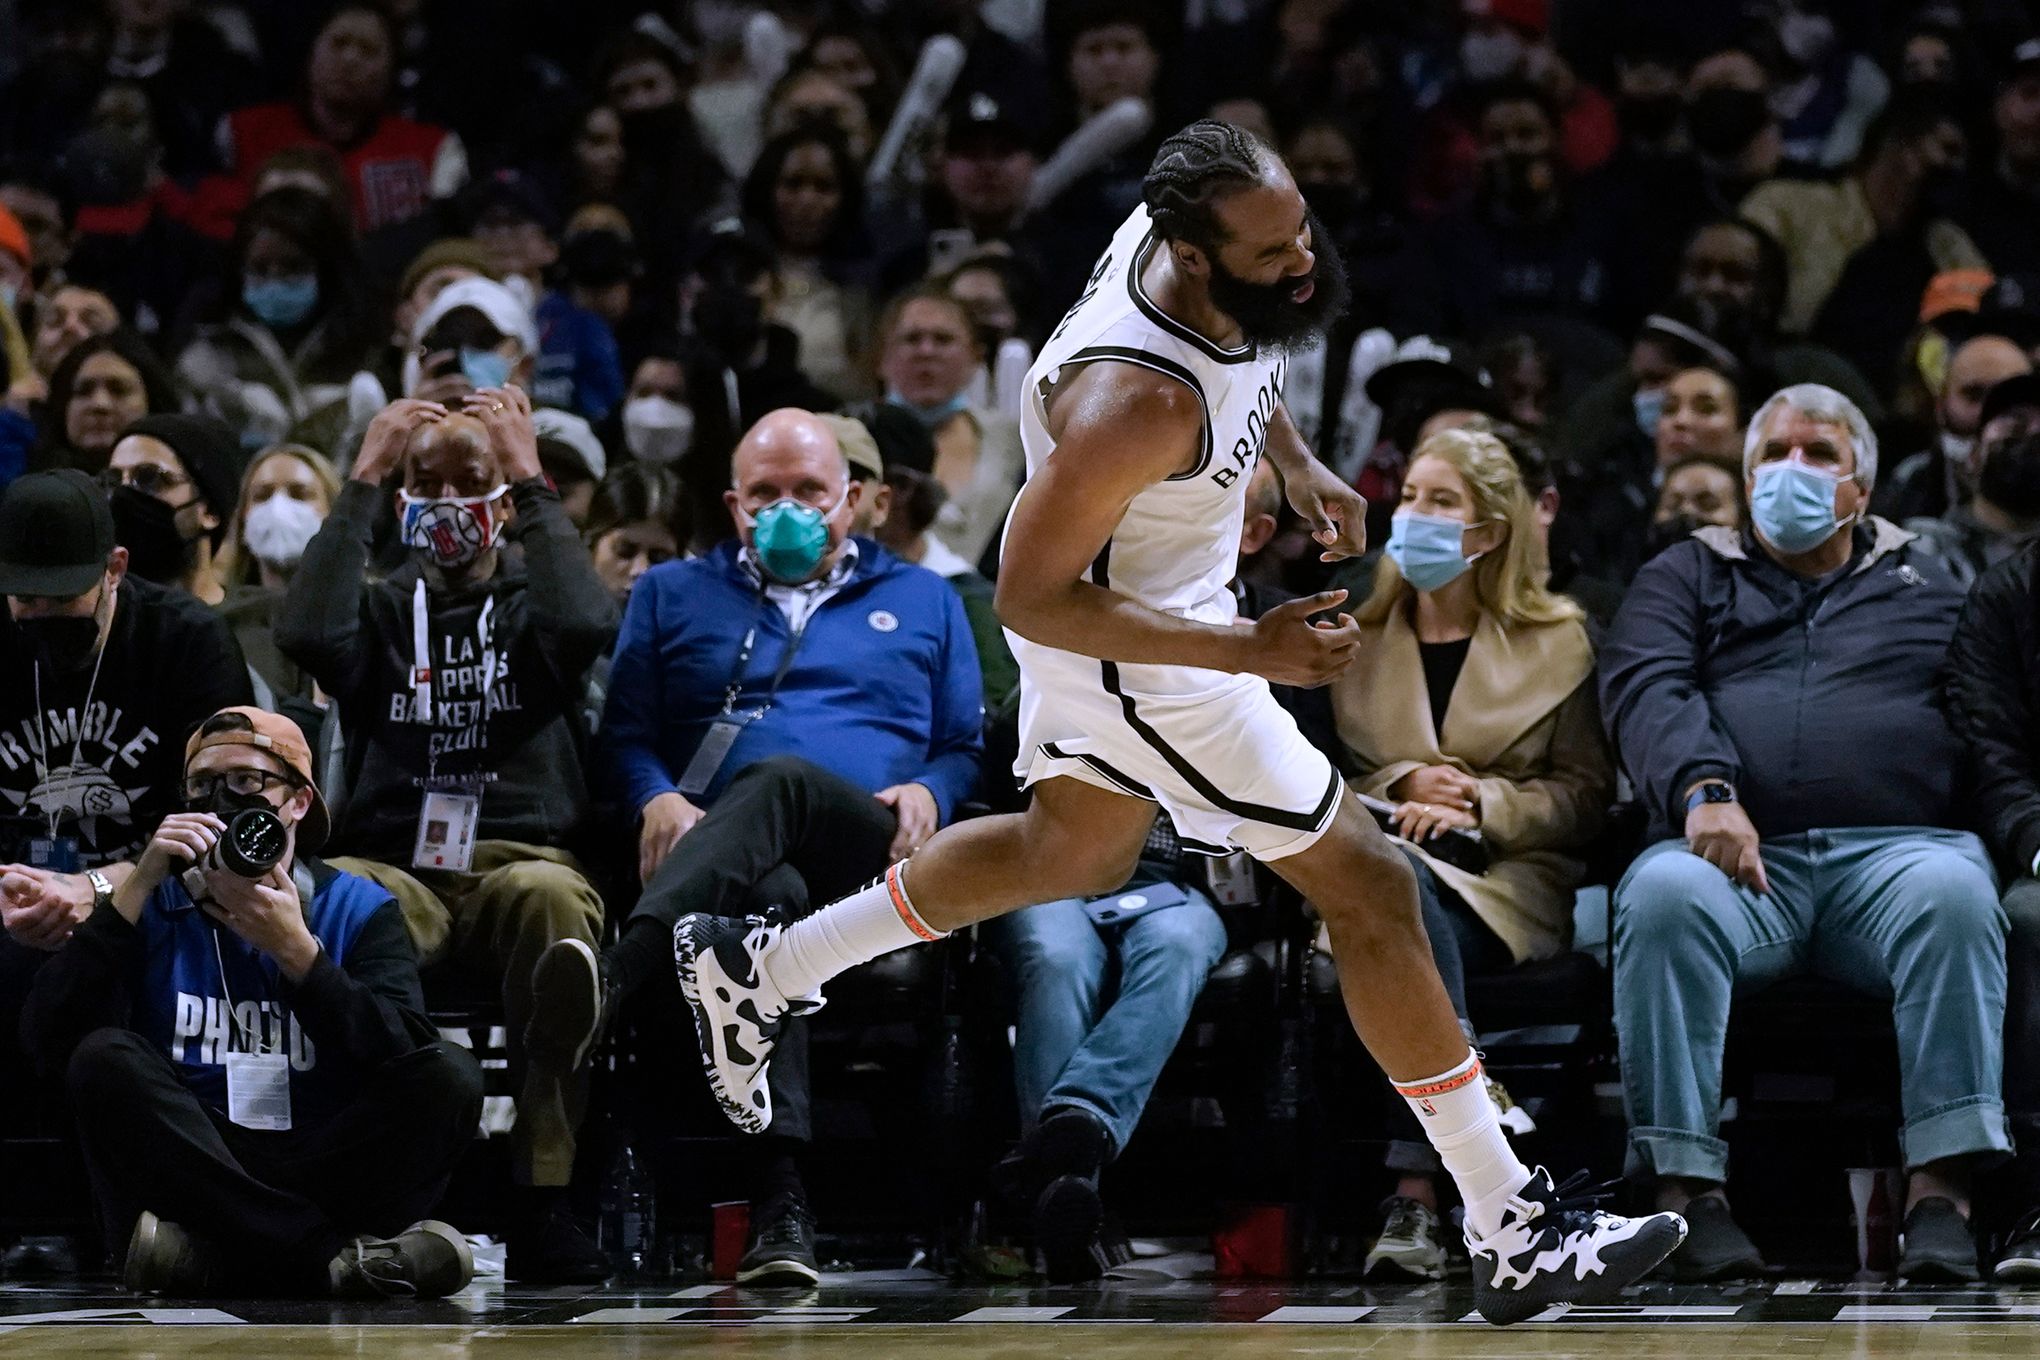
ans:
(250, 847)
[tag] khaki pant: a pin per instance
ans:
(491, 923)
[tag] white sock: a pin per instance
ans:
(874, 920)
(1460, 1121)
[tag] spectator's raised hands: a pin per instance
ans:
(389, 434)
(505, 412)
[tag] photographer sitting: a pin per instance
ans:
(1472, 707)
(242, 1036)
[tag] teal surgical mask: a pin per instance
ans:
(932, 417)
(1793, 506)
(281, 303)
(485, 367)
(790, 539)
(1649, 403)
(1429, 550)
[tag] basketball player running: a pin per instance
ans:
(1147, 412)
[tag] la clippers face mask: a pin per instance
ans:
(453, 529)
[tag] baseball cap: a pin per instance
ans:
(278, 735)
(860, 450)
(1442, 370)
(978, 121)
(902, 441)
(463, 251)
(55, 534)
(2014, 392)
(574, 434)
(488, 297)
(514, 193)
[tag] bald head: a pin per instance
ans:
(793, 455)
(451, 457)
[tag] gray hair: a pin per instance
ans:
(1823, 404)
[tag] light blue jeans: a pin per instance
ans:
(1909, 913)
(1089, 1038)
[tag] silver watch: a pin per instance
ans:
(102, 889)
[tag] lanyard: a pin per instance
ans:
(793, 642)
(421, 650)
(251, 1039)
(42, 734)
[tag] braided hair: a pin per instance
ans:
(1192, 171)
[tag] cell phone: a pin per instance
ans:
(1457, 846)
(1116, 909)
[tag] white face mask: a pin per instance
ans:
(277, 530)
(657, 429)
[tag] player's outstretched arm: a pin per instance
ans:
(1119, 430)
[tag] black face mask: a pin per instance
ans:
(1667, 533)
(1725, 120)
(61, 646)
(2010, 479)
(147, 528)
(1651, 117)
(1269, 314)
(730, 320)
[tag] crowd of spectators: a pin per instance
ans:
(444, 425)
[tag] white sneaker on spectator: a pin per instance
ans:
(1411, 1245)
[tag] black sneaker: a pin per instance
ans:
(738, 1013)
(2019, 1262)
(1935, 1246)
(1067, 1142)
(572, 1004)
(552, 1250)
(1555, 1246)
(782, 1252)
(1716, 1247)
(162, 1258)
(427, 1260)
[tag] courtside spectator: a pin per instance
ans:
(231, 1044)
(796, 702)
(1775, 701)
(171, 483)
(457, 684)
(1472, 709)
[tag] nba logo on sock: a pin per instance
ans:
(1428, 1108)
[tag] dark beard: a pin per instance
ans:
(1268, 314)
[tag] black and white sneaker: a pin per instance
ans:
(738, 1012)
(1555, 1246)
(2019, 1262)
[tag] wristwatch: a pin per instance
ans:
(102, 889)
(1713, 791)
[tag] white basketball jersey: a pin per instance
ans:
(1176, 549)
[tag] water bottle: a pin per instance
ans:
(629, 1223)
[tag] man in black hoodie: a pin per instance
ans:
(457, 681)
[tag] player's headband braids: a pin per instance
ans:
(1193, 170)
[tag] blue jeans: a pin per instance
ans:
(1083, 1040)
(1909, 913)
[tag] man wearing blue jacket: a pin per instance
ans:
(254, 1080)
(794, 710)
(1776, 698)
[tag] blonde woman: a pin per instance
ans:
(1472, 708)
(286, 494)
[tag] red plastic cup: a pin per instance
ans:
(731, 1231)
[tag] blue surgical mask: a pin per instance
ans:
(1649, 403)
(281, 303)
(485, 367)
(1429, 550)
(1793, 506)
(790, 539)
(931, 417)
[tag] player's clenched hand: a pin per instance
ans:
(1291, 650)
(1336, 513)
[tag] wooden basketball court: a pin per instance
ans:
(852, 1320)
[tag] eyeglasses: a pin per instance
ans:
(242, 783)
(151, 479)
